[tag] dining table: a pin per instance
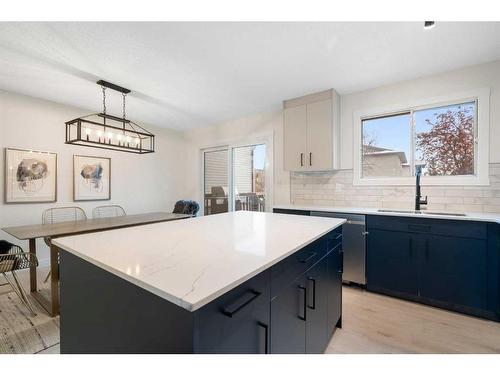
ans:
(62, 229)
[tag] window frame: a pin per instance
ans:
(481, 136)
(229, 145)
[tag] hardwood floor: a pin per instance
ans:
(375, 323)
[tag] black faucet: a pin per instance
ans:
(418, 197)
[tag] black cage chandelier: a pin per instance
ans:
(102, 130)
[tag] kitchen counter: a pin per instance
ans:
(469, 216)
(238, 282)
(192, 262)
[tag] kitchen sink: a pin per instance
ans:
(401, 211)
(423, 212)
(443, 213)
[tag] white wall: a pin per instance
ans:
(234, 132)
(140, 183)
(479, 76)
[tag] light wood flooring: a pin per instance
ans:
(375, 323)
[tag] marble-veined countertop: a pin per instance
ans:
(469, 216)
(192, 262)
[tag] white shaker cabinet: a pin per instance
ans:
(311, 132)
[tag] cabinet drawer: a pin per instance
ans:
(288, 269)
(444, 227)
(236, 322)
(334, 238)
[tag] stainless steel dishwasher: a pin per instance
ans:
(353, 245)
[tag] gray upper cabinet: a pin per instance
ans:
(311, 132)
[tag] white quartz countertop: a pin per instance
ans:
(470, 216)
(192, 262)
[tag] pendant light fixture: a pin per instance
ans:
(102, 130)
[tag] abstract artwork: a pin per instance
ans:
(30, 176)
(92, 178)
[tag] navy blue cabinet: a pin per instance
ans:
(317, 308)
(288, 318)
(444, 263)
(454, 270)
(391, 262)
(334, 297)
(237, 322)
(306, 308)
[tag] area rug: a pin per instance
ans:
(22, 333)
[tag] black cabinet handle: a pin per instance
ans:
(302, 289)
(266, 336)
(310, 158)
(301, 159)
(230, 311)
(341, 262)
(311, 256)
(313, 306)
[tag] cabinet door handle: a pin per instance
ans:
(302, 289)
(313, 306)
(266, 336)
(310, 158)
(305, 260)
(230, 311)
(301, 159)
(341, 262)
(365, 233)
(339, 236)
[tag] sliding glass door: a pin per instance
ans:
(236, 178)
(249, 178)
(216, 181)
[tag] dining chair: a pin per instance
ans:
(12, 259)
(108, 211)
(59, 215)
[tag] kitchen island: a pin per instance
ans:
(241, 282)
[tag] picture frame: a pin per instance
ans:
(30, 176)
(91, 178)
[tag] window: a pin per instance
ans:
(443, 140)
(235, 178)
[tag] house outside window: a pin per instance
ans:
(448, 140)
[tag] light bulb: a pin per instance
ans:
(88, 131)
(99, 133)
(110, 135)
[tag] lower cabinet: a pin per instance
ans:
(454, 270)
(391, 262)
(334, 298)
(437, 262)
(305, 312)
(237, 322)
(288, 318)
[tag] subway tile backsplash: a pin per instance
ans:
(335, 188)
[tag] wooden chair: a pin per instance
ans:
(58, 215)
(12, 259)
(108, 211)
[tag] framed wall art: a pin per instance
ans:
(91, 178)
(30, 176)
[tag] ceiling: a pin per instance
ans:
(184, 75)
